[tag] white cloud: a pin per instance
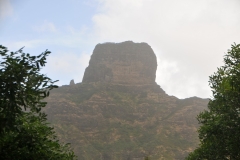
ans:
(79, 32)
(24, 43)
(67, 66)
(46, 27)
(189, 37)
(5, 9)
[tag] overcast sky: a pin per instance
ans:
(189, 37)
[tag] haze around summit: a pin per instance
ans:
(189, 37)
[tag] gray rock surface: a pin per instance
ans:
(126, 63)
(72, 82)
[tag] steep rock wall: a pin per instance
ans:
(126, 63)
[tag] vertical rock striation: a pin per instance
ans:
(125, 63)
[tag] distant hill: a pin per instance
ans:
(119, 112)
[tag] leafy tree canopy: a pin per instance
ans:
(219, 132)
(24, 132)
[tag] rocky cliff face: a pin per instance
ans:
(125, 63)
(120, 113)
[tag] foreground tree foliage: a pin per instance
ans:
(219, 133)
(24, 132)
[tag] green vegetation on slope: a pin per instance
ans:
(116, 123)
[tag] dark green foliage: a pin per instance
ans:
(24, 132)
(219, 133)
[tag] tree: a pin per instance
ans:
(24, 131)
(219, 132)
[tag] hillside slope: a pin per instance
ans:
(119, 112)
(107, 122)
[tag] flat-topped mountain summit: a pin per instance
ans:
(122, 63)
(119, 112)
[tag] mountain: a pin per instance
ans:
(119, 112)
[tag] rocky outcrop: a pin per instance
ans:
(125, 63)
(119, 112)
(72, 82)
